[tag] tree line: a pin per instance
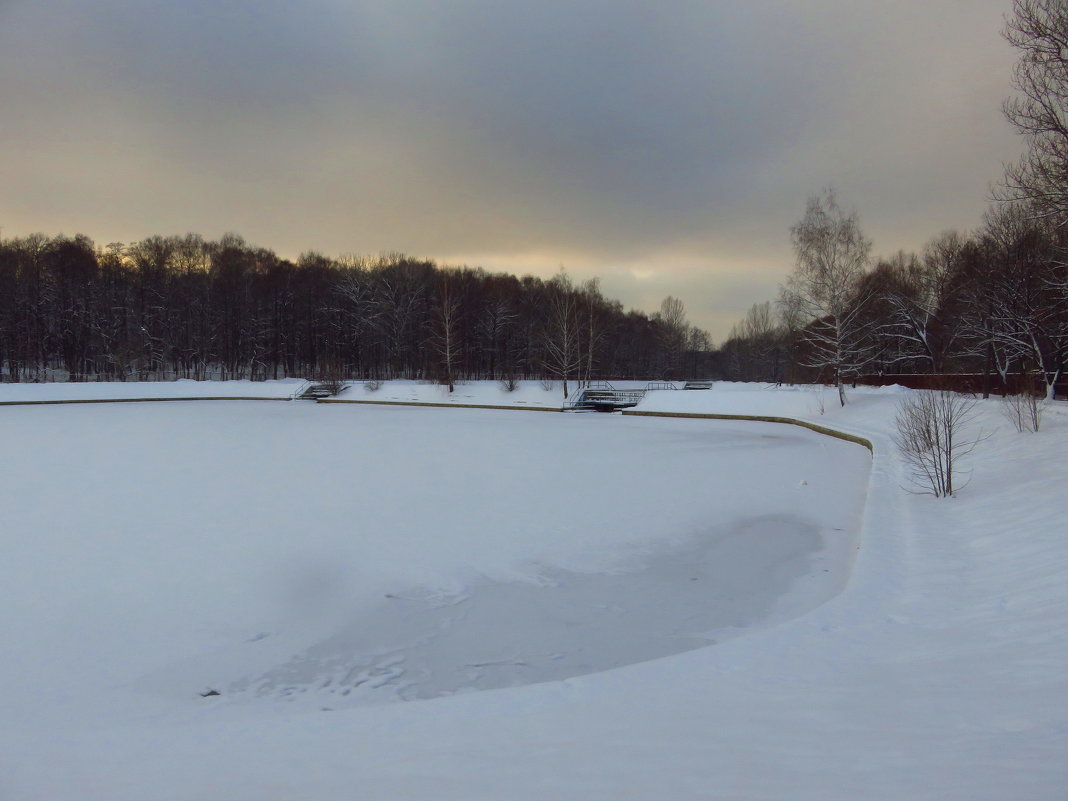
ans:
(184, 307)
(992, 302)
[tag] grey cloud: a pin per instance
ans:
(684, 135)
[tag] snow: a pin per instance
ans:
(148, 390)
(527, 394)
(535, 573)
(530, 394)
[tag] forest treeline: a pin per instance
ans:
(992, 302)
(184, 307)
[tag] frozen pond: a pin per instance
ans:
(298, 555)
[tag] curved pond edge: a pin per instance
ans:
(819, 429)
(830, 432)
(443, 405)
(136, 400)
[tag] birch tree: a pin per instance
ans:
(562, 357)
(593, 324)
(821, 294)
(446, 340)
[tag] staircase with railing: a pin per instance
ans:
(600, 396)
(315, 390)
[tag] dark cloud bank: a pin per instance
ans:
(666, 147)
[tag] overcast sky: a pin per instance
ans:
(664, 146)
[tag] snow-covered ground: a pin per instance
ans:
(653, 599)
(526, 394)
(529, 394)
(148, 390)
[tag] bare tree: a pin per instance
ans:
(1025, 308)
(446, 340)
(1038, 29)
(672, 316)
(562, 333)
(753, 348)
(592, 303)
(399, 297)
(497, 320)
(918, 298)
(820, 297)
(931, 434)
(699, 347)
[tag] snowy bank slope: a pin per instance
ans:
(147, 390)
(526, 394)
(938, 673)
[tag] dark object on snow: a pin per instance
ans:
(210, 692)
(321, 389)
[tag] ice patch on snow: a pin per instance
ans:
(421, 644)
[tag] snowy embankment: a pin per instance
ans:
(526, 394)
(92, 391)
(801, 402)
(156, 550)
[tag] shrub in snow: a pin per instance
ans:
(1024, 411)
(931, 433)
(373, 385)
(510, 383)
(821, 405)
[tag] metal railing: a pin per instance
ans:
(605, 398)
(304, 386)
